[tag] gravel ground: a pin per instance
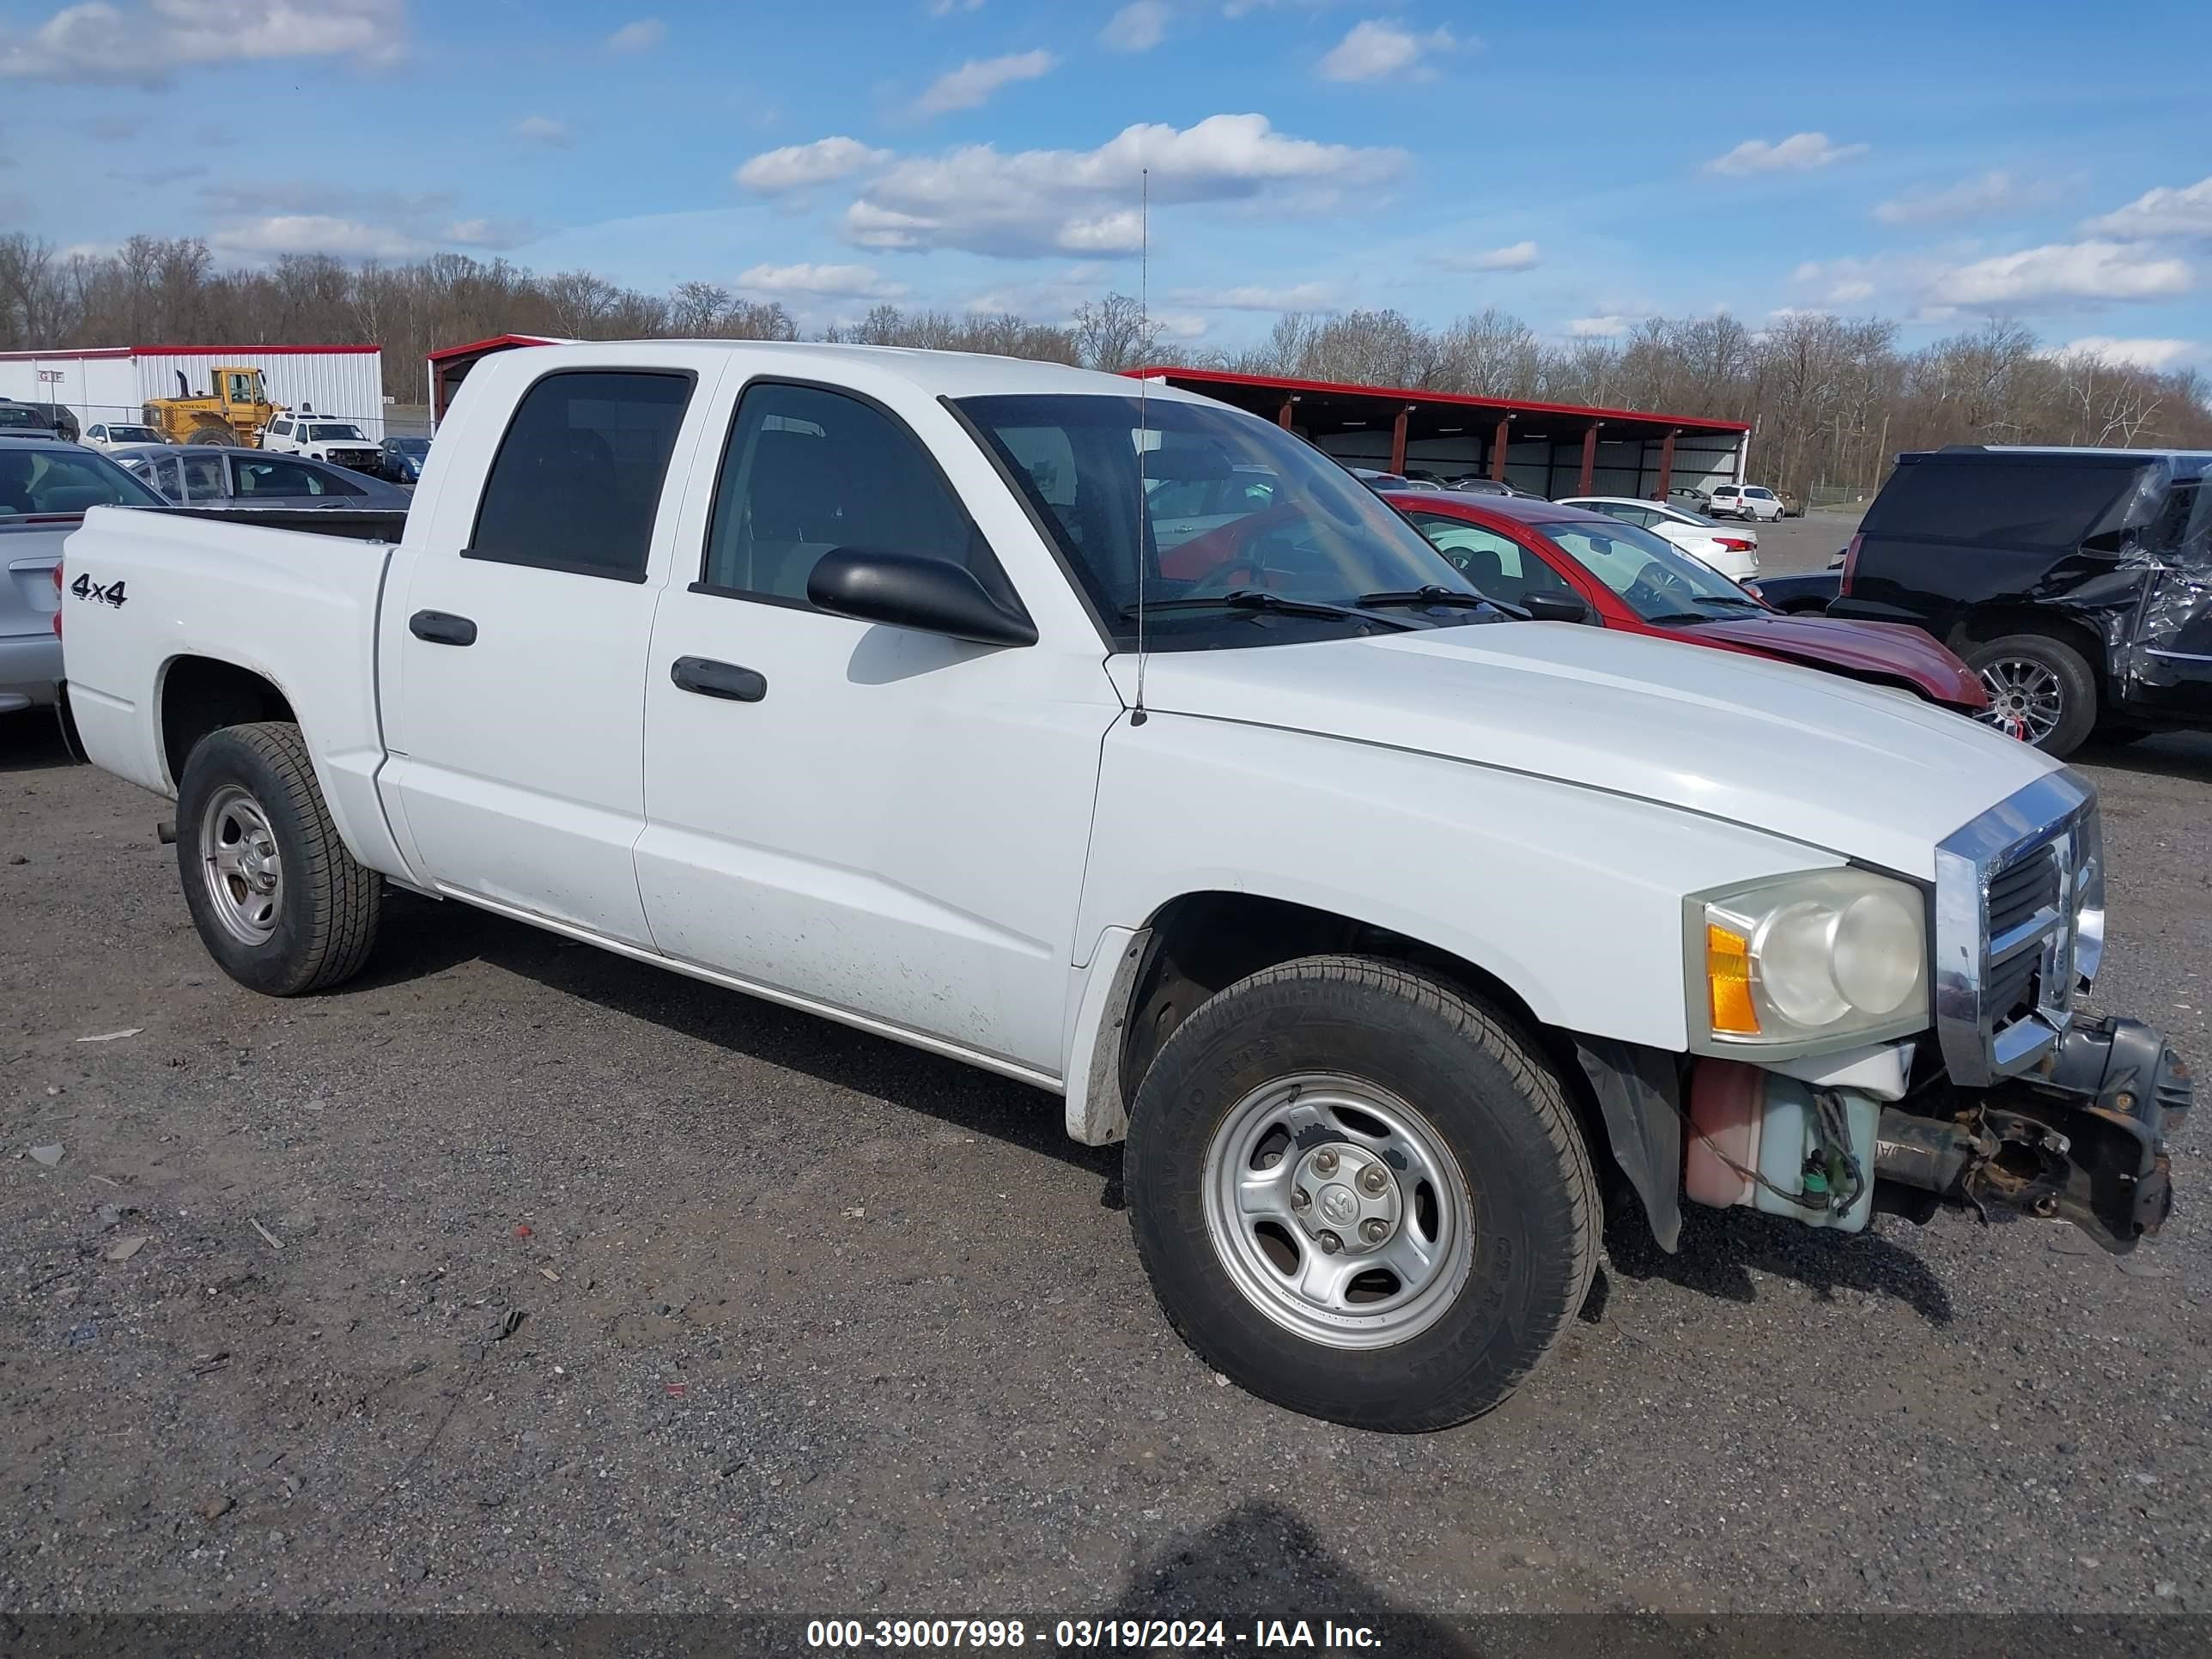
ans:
(518, 1276)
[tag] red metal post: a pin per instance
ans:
(1498, 447)
(1666, 464)
(1589, 459)
(1398, 440)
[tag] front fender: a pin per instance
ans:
(1569, 895)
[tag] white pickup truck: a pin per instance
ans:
(1382, 926)
(340, 443)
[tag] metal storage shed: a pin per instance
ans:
(1553, 449)
(110, 383)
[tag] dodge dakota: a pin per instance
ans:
(1381, 926)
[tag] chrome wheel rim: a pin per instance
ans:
(239, 865)
(1338, 1211)
(2024, 696)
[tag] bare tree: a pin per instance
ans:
(1114, 333)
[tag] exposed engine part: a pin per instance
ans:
(2082, 1139)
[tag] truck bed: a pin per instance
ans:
(289, 597)
(361, 523)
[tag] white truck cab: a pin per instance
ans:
(1382, 925)
(342, 443)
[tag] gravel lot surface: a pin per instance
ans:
(515, 1275)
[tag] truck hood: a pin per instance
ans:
(1866, 774)
(1892, 651)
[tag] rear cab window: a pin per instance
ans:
(576, 484)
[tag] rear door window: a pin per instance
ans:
(576, 483)
(2025, 503)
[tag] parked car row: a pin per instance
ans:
(1118, 745)
(215, 474)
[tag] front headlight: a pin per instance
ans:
(1793, 964)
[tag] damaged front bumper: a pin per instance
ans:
(2082, 1138)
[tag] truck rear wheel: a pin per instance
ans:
(1361, 1195)
(278, 901)
(2043, 684)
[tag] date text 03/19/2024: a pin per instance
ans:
(952, 1634)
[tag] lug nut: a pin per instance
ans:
(1324, 1163)
(1300, 1198)
(1330, 1243)
(1372, 1180)
(1374, 1231)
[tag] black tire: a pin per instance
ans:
(325, 908)
(2076, 681)
(1491, 1100)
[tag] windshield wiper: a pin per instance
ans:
(1431, 594)
(1743, 599)
(1677, 617)
(1258, 598)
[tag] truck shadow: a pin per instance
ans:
(2183, 755)
(30, 741)
(1721, 1248)
(422, 937)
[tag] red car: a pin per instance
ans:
(1627, 578)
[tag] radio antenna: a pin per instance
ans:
(1137, 716)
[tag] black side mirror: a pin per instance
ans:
(1555, 607)
(905, 590)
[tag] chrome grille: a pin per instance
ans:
(2020, 903)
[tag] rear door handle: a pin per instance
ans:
(710, 678)
(443, 628)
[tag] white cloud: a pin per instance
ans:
(2063, 270)
(2133, 353)
(1138, 27)
(853, 279)
(643, 35)
(1302, 296)
(481, 232)
(946, 8)
(145, 45)
(319, 232)
(975, 81)
(1178, 325)
(1047, 201)
(1845, 281)
(543, 129)
(2166, 211)
(1598, 328)
(1377, 51)
(1986, 195)
(1518, 256)
(800, 167)
(1800, 152)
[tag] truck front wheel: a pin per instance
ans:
(1361, 1193)
(279, 903)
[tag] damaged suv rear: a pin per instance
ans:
(2076, 582)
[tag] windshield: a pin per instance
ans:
(15, 414)
(416, 447)
(131, 435)
(1658, 581)
(1233, 506)
(340, 431)
(56, 481)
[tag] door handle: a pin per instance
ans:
(710, 678)
(443, 628)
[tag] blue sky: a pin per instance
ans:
(1577, 164)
